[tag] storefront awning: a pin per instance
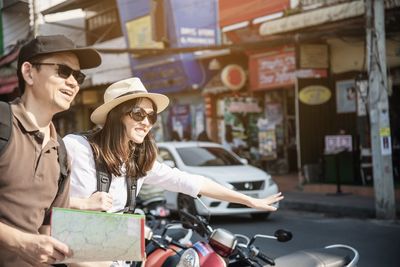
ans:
(313, 18)
(69, 5)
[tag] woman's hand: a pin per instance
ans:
(265, 203)
(212, 189)
(99, 201)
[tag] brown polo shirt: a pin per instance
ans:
(28, 178)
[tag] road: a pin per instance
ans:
(378, 242)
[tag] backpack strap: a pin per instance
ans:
(131, 200)
(5, 125)
(104, 183)
(104, 179)
(103, 176)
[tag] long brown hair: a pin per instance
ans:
(109, 144)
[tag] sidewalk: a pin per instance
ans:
(355, 201)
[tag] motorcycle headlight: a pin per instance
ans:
(189, 259)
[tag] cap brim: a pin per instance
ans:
(88, 57)
(99, 115)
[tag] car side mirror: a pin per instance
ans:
(244, 161)
(169, 163)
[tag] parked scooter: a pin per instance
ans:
(221, 248)
(166, 249)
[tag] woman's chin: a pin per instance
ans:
(137, 140)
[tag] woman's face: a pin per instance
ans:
(136, 131)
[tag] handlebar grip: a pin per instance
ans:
(265, 258)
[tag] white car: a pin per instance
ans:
(221, 165)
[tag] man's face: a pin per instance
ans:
(51, 89)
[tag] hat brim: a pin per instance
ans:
(99, 115)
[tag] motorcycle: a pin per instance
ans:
(166, 249)
(151, 202)
(221, 248)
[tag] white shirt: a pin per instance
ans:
(84, 180)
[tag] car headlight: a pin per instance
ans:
(271, 182)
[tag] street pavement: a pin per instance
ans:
(350, 201)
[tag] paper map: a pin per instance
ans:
(99, 236)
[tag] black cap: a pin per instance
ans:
(42, 45)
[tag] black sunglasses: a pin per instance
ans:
(64, 71)
(139, 114)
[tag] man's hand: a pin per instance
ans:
(40, 250)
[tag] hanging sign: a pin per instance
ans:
(315, 95)
(233, 77)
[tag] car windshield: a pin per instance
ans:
(207, 156)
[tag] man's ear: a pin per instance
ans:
(26, 70)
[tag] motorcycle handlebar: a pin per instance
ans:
(265, 258)
(197, 223)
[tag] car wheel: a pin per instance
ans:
(260, 216)
(186, 203)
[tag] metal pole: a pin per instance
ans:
(298, 147)
(379, 111)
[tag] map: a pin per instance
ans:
(99, 236)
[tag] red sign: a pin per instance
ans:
(235, 11)
(277, 69)
(233, 76)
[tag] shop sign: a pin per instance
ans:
(334, 143)
(192, 22)
(277, 68)
(236, 11)
(315, 95)
(314, 56)
(245, 105)
(233, 77)
(273, 69)
(138, 33)
(168, 74)
(346, 96)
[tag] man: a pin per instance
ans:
(49, 75)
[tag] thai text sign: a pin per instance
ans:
(277, 68)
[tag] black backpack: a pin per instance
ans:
(5, 135)
(104, 180)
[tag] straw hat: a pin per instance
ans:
(122, 91)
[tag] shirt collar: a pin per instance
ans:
(21, 114)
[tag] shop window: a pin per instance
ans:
(103, 22)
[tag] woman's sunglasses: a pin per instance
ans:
(139, 114)
(64, 71)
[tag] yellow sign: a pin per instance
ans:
(139, 33)
(315, 95)
(384, 131)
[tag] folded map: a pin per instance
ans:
(99, 236)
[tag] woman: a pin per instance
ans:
(128, 149)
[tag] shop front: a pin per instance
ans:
(273, 78)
